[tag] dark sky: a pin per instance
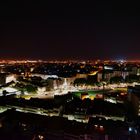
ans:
(56, 30)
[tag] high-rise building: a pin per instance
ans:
(134, 98)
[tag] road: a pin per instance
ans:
(34, 110)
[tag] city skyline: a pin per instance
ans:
(102, 30)
(69, 70)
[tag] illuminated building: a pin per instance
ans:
(79, 75)
(99, 76)
(11, 77)
(138, 71)
(2, 78)
(134, 70)
(134, 98)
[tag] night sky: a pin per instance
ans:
(56, 30)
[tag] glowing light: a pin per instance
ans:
(110, 100)
(40, 137)
(96, 125)
(99, 96)
(93, 73)
(108, 68)
(130, 129)
(101, 128)
(123, 94)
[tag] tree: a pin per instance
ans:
(91, 80)
(20, 78)
(80, 81)
(132, 78)
(116, 79)
(4, 92)
(30, 88)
